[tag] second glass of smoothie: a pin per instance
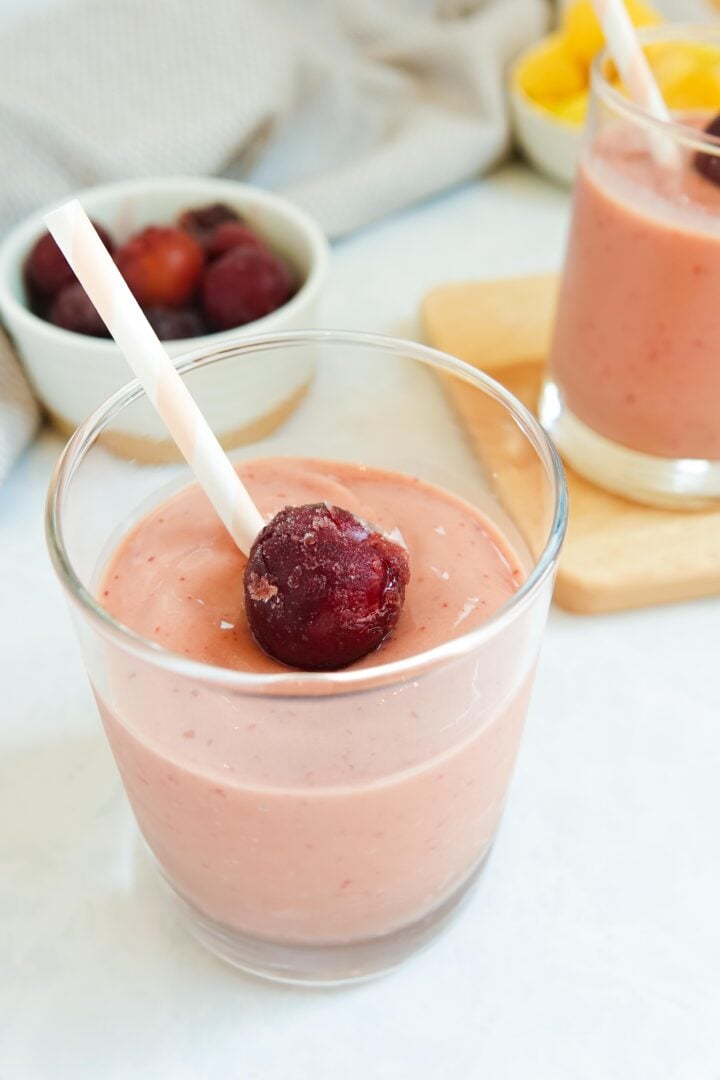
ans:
(633, 394)
(317, 826)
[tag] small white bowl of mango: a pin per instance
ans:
(550, 83)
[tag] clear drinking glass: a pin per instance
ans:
(283, 860)
(633, 394)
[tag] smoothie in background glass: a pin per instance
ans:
(633, 398)
(314, 826)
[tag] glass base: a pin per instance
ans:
(675, 483)
(321, 965)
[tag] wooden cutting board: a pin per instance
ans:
(617, 554)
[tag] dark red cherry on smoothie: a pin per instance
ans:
(323, 589)
(708, 165)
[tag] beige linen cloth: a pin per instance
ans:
(354, 108)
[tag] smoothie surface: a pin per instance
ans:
(622, 162)
(177, 577)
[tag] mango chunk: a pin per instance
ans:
(700, 90)
(572, 110)
(688, 74)
(551, 71)
(582, 32)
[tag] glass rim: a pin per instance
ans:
(292, 681)
(688, 136)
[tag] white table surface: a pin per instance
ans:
(592, 950)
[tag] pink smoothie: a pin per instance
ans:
(340, 818)
(637, 341)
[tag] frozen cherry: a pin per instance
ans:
(172, 323)
(162, 265)
(39, 305)
(202, 222)
(244, 284)
(322, 589)
(73, 310)
(232, 234)
(47, 270)
(708, 165)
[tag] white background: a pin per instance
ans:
(591, 952)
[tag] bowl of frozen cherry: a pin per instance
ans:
(208, 260)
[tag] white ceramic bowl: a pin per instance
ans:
(73, 373)
(550, 144)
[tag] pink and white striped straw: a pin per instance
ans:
(99, 276)
(637, 75)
